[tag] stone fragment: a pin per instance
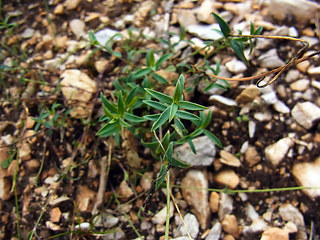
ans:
(204, 12)
(257, 226)
(225, 205)
(251, 128)
(275, 233)
(84, 226)
(32, 165)
(248, 94)
(270, 59)
(215, 231)
(284, 9)
(160, 217)
(28, 33)
(305, 114)
(124, 191)
(307, 175)
(236, 66)
(205, 149)
(205, 32)
(104, 35)
(59, 9)
(71, 4)
(314, 70)
(251, 213)
(85, 199)
(276, 152)
(118, 234)
(186, 17)
(270, 97)
(25, 151)
(214, 202)
(223, 100)
(251, 156)
(230, 225)
(229, 159)
(300, 85)
(197, 199)
(77, 27)
(146, 181)
(292, 75)
(79, 88)
(55, 215)
(281, 107)
(192, 225)
(52, 226)
(227, 178)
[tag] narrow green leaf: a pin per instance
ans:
(150, 59)
(179, 127)
(178, 91)
(166, 140)
(186, 115)
(108, 105)
(142, 72)
(161, 176)
(196, 133)
(183, 33)
(177, 163)
(153, 117)
(173, 110)
(207, 119)
(157, 105)
(123, 123)
(258, 30)
(133, 118)
(238, 48)
(251, 28)
(192, 147)
(92, 38)
(162, 59)
(152, 145)
(162, 119)
(120, 105)
(169, 151)
(191, 106)
(109, 129)
(213, 138)
(159, 78)
(107, 113)
(103, 118)
(117, 54)
(223, 25)
(131, 96)
(160, 96)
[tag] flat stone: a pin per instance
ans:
(77, 27)
(160, 217)
(186, 17)
(227, 178)
(205, 32)
(251, 156)
(204, 12)
(275, 233)
(307, 175)
(78, 87)
(236, 66)
(223, 100)
(225, 205)
(292, 75)
(192, 224)
(276, 152)
(71, 4)
(300, 85)
(230, 225)
(104, 35)
(214, 202)
(281, 107)
(257, 226)
(283, 9)
(215, 231)
(290, 213)
(124, 191)
(205, 149)
(248, 94)
(305, 114)
(229, 159)
(314, 70)
(28, 33)
(197, 199)
(270, 59)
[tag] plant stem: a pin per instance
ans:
(168, 206)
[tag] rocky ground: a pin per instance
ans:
(53, 164)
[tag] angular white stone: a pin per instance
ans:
(307, 175)
(104, 35)
(276, 152)
(305, 114)
(270, 59)
(77, 27)
(205, 31)
(205, 149)
(236, 66)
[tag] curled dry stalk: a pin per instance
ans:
(296, 59)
